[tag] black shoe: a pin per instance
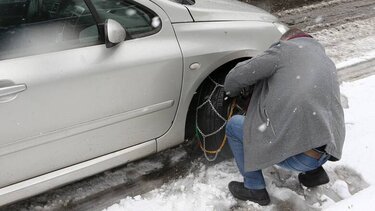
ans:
(239, 191)
(314, 178)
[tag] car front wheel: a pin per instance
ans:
(207, 118)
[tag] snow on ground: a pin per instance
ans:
(360, 120)
(349, 43)
(205, 188)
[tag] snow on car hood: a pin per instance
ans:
(227, 10)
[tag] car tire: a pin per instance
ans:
(210, 117)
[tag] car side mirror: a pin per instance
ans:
(114, 33)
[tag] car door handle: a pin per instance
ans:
(11, 90)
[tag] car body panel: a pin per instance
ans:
(177, 13)
(54, 179)
(227, 10)
(119, 104)
(223, 42)
(87, 102)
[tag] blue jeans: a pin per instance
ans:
(254, 179)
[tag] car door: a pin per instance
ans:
(66, 98)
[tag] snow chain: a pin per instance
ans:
(198, 131)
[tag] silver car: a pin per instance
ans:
(87, 85)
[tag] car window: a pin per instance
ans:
(138, 20)
(29, 27)
(188, 2)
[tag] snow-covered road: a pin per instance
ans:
(205, 188)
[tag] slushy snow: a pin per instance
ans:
(352, 185)
(205, 188)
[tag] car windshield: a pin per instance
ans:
(188, 2)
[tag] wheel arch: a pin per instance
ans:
(177, 133)
(218, 72)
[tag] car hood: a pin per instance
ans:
(227, 10)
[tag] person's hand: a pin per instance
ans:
(243, 100)
(246, 92)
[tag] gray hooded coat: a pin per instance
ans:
(295, 105)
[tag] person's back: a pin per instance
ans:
(294, 110)
(303, 89)
(299, 101)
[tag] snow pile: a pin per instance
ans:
(360, 146)
(200, 190)
(205, 188)
(342, 189)
(359, 151)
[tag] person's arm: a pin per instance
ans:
(248, 72)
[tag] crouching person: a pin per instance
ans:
(294, 119)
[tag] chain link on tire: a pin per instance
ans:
(202, 137)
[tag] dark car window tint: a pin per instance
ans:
(138, 20)
(30, 27)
